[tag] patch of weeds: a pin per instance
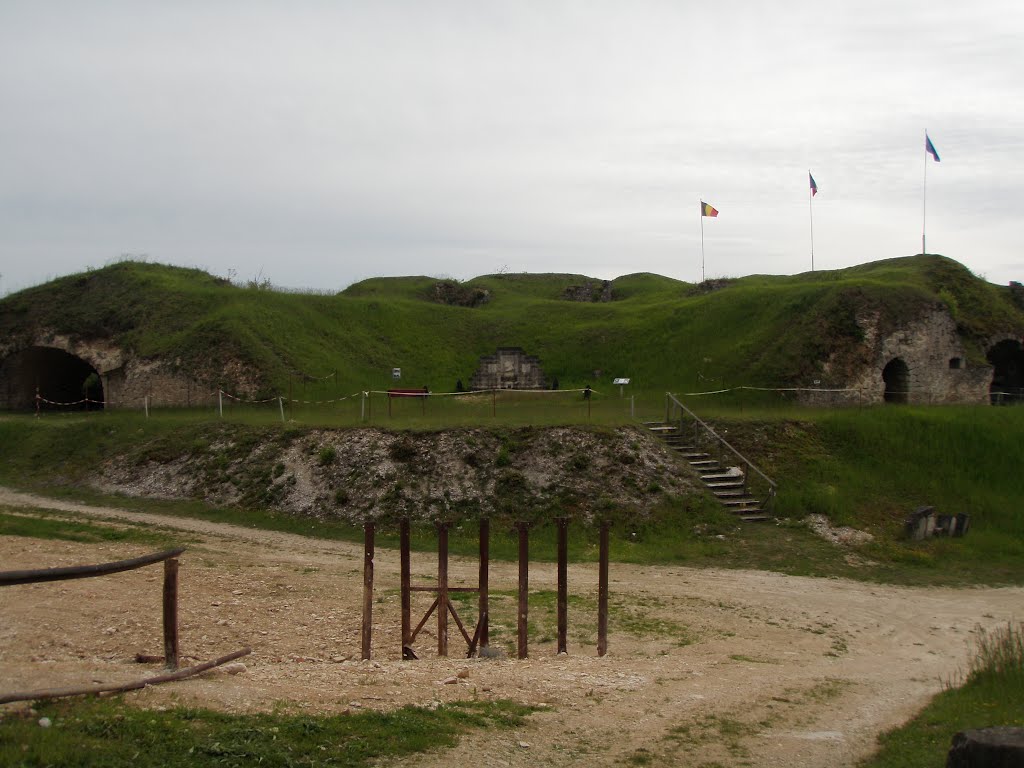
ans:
(502, 459)
(327, 455)
(111, 732)
(579, 462)
(39, 524)
(402, 450)
(640, 757)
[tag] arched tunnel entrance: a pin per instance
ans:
(1007, 359)
(896, 377)
(61, 378)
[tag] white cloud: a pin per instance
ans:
(328, 141)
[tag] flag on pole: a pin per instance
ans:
(707, 210)
(814, 186)
(930, 148)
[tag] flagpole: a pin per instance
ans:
(702, 240)
(810, 209)
(924, 193)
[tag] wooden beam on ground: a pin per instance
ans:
(171, 612)
(602, 593)
(563, 583)
(181, 674)
(524, 587)
(403, 535)
(442, 589)
(482, 635)
(367, 588)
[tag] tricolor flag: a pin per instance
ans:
(814, 187)
(707, 210)
(930, 148)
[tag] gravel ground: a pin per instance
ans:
(717, 667)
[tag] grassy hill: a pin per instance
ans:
(764, 330)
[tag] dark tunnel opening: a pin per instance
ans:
(896, 377)
(65, 382)
(1007, 359)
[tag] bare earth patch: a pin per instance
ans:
(705, 666)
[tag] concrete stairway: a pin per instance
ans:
(728, 485)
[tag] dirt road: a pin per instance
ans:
(713, 667)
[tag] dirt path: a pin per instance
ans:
(705, 666)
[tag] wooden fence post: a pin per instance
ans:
(602, 593)
(367, 588)
(403, 535)
(524, 587)
(484, 599)
(442, 589)
(171, 612)
(563, 579)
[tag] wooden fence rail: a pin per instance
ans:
(170, 591)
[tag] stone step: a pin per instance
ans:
(740, 503)
(731, 484)
(707, 464)
(730, 494)
(719, 476)
(753, 516)
(695, 455)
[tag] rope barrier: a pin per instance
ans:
(365, 394)
(766, 389)
(76, 402)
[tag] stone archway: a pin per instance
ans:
(1007, 359)
(896, 377)
(59, 376)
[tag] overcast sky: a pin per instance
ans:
(318, 143)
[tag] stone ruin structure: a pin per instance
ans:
(922, 363)
(58, 366)
(508, 368)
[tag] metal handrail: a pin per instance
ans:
(772, 486)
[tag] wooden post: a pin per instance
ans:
(602, 594)
(442, 589)
(524, 586)
(563, 579)
(403, 535)
(367, 588)
(171, 612)
(485, 562)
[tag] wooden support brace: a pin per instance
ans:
(459, 624)
(423, 621)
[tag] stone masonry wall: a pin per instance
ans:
(927, 347)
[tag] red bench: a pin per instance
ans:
(422, 392)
